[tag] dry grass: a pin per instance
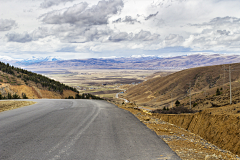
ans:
(204, 81)
(33, 92)
(10, 105)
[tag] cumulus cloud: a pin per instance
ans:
(127, 19)
(7, 24)
(50, 3)
(21, 38)
(70, 15)
(223, 32)
(119, 20)
(145, 36)
(35, 35)
(80, 15)
(140, 36)
(83, 35)
(173, 40)
(117, 37)
(217, 34)
(130, 20)
(220, 21)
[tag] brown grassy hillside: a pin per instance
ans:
(32, 92)
(22, 82)
(204, 81)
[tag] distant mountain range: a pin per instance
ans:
(34, 60)
(28, 61)
(133, 62)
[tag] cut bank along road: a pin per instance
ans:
(77, 129)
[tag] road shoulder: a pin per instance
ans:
(11, 104)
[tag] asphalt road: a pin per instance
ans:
(77, 129)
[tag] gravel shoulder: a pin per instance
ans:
(187, 145)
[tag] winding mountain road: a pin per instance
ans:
(77, 129)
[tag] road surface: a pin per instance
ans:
(77, 129)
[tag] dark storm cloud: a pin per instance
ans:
(50, 3)
(7, 24)
(21, 38)
(82, 16)
(150, 16)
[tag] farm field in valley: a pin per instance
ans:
(103, 83)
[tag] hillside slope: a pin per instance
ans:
(24, 83)
(203, 81)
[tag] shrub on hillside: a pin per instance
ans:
(177, 103)
(24, 96)
(218, 92)
(174, 110)
(10, 96)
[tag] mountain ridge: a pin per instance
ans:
(203, 81)
(143, 62)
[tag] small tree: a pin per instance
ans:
(70, 97)
(218, 92)
(177, 103)
(78, 96)
(24, 96)
(195, 104)
(9, 96)
(15, 96)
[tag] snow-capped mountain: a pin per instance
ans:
(7, 59)
(34, 60)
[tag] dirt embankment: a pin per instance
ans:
(221, 130)
(211, 134)
(186, 143)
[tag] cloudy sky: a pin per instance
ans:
(84, 29)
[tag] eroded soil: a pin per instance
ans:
(187, 145)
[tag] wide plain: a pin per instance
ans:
(101, 82)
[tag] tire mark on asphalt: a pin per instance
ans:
(63, 151)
